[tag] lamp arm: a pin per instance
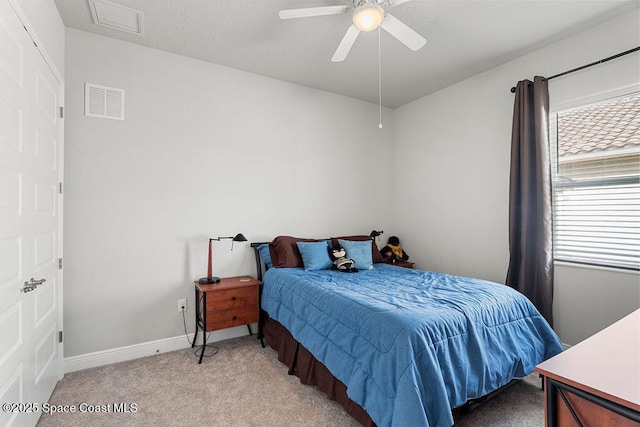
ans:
(210, 278)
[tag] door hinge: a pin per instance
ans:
(59, 263)
(59, 336)
(60, 188)
(62, 112)
(32, 40)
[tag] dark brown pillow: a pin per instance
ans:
(285, 252)
(376, 256)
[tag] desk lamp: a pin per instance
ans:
(210, 277)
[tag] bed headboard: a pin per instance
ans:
(261, 267)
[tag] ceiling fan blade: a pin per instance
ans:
(345, 45)
(402, 32)
(397, 2)
(312, 11)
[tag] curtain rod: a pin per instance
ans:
(513, 89)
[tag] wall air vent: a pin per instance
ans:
(104, 102)
(116, 16)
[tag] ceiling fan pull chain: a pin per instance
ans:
(379, 80)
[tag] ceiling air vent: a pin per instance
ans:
(104, 102)
(116, 16)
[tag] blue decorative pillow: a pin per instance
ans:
(315, 255)
(359, 252)
(265, 254)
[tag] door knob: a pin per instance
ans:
(32, 284)
(28, 287)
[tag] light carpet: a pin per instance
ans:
(242, 385)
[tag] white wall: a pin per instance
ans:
(204, 151)
(452, 154)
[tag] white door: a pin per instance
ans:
(30, 148)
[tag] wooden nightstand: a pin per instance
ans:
(405, 264)
(233, 301)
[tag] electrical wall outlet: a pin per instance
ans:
(182, 305)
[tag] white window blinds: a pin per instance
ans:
(596, 183)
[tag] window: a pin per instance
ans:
(596, 183)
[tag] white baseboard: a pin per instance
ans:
(121, 354)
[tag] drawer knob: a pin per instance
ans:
(233, 298)
(234, 317)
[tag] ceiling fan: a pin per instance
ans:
(367, 16)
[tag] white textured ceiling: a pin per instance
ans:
(464, 38)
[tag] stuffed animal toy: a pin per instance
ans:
(340, 260)
(397, 253)
(387, 255)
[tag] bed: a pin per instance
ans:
(400, 346)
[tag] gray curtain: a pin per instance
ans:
(530, 211)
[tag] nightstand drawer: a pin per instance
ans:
(229, 298)
(234, 316)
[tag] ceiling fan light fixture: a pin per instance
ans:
(368, 17)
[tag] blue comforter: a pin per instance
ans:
(410, 344)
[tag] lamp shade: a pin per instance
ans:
(239, 238)
(368, 17)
